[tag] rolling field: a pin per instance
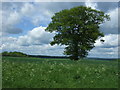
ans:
(28, 72)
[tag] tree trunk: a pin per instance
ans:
(75, 52)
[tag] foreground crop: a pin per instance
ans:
(58, 73)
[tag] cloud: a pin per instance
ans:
(112, 25)
(107, 49)
(34, 42)
(14, 14)
(45, 49)
(10, 18)
(104, 52)
(109, 26)
(93, 5)
(37, 13)
(111, 40)
(27, 9)
(37, 36)
(7, 42)
(40, 13)
(11, 44)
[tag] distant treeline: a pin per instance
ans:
(14, 54)
(20, 54)
(43, 56)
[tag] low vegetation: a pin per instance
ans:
(28, 72)
(14, 54)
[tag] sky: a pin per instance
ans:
(24, 23)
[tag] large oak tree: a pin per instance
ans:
(78, 29)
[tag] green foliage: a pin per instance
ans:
(78, 29)
(15, 54)
(27, 72)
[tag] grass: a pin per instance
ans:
(27, 72)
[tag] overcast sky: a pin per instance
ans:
(24, 23)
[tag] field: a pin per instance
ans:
(29, 72)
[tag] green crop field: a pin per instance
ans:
(28, 72)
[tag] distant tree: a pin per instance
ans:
(5, 53)
(78, 29)
(14, 54)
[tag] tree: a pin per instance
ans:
(78, 29)
(14, 54)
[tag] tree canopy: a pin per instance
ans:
(78, 29)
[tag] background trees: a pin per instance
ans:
(14, 54)
(78, 29)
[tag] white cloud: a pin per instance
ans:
(34, 42)
(104, 52)
(93, 5)
(114, 18)
(112, 25)
(36, 13)
(35, 49)
(41, 13)
(111, 40)
(9, 19)
(109, 26)
(107, 49)
(14, 13)
(8, 40)
(27, 9)
(37, 36)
